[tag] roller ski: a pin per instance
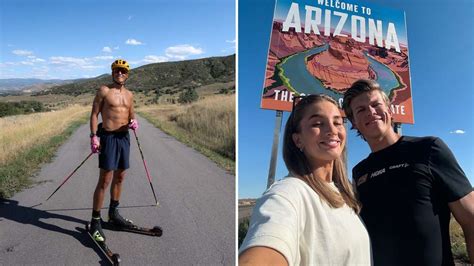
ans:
(95, 232)
(118, 223)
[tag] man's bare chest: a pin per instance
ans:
(117, 99)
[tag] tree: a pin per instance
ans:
(188, 96)
(157, 95)
(22, 107)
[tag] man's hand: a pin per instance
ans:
(133, 124)
(95, 144)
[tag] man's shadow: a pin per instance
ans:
(9, 209)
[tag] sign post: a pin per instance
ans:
(274, 156)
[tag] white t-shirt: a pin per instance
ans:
(291, 218)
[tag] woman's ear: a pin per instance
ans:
(297, 140)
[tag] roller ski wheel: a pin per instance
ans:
(113, 258)
(154, 231)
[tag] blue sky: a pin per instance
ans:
(441, 65)
(78, 39)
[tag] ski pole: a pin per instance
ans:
(146, 169)
(70, 175)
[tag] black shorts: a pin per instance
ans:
(114, 150)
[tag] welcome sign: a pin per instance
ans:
(323, 46)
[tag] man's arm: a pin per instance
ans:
(463, 211)
(132, 109)
(262, 256)
(456, 189)
(97, 108)
(132, 122)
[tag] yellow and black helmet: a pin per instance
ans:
(120, 63)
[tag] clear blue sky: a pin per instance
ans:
(75, 39)
(440, 38)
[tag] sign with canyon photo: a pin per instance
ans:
(323, 46)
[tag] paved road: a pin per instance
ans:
(196, 212)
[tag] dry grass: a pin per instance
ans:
(207, 125)
(20, 133)
(458, 243)
(212, 120)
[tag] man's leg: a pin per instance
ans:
(116, 188)
(115, 192)
(104, 180)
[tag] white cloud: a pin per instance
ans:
(41, 72)
(230, 41)
(74, 62)
(63, 60)
(116, 48)
(103, 57)
(9, 64)
(35, 59)
(107, 49)
(182, 51)
(31, 59)
(133, 42)
(22, 52)
(91, 67)
(149, 59)
(62, 66)
(458, 131)
(155, 59)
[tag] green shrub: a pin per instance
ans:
(22, 107)
(243, 228)
(188, 96)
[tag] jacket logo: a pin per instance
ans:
(377, 173)
(361, 179)
(402, 165)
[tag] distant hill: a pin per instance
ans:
(32, 84)
(182, 74)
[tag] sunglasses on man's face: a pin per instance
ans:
(121, 70)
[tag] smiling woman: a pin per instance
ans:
(300, 218)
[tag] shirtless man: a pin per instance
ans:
(115, 103)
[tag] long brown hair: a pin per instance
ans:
(298, 164)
